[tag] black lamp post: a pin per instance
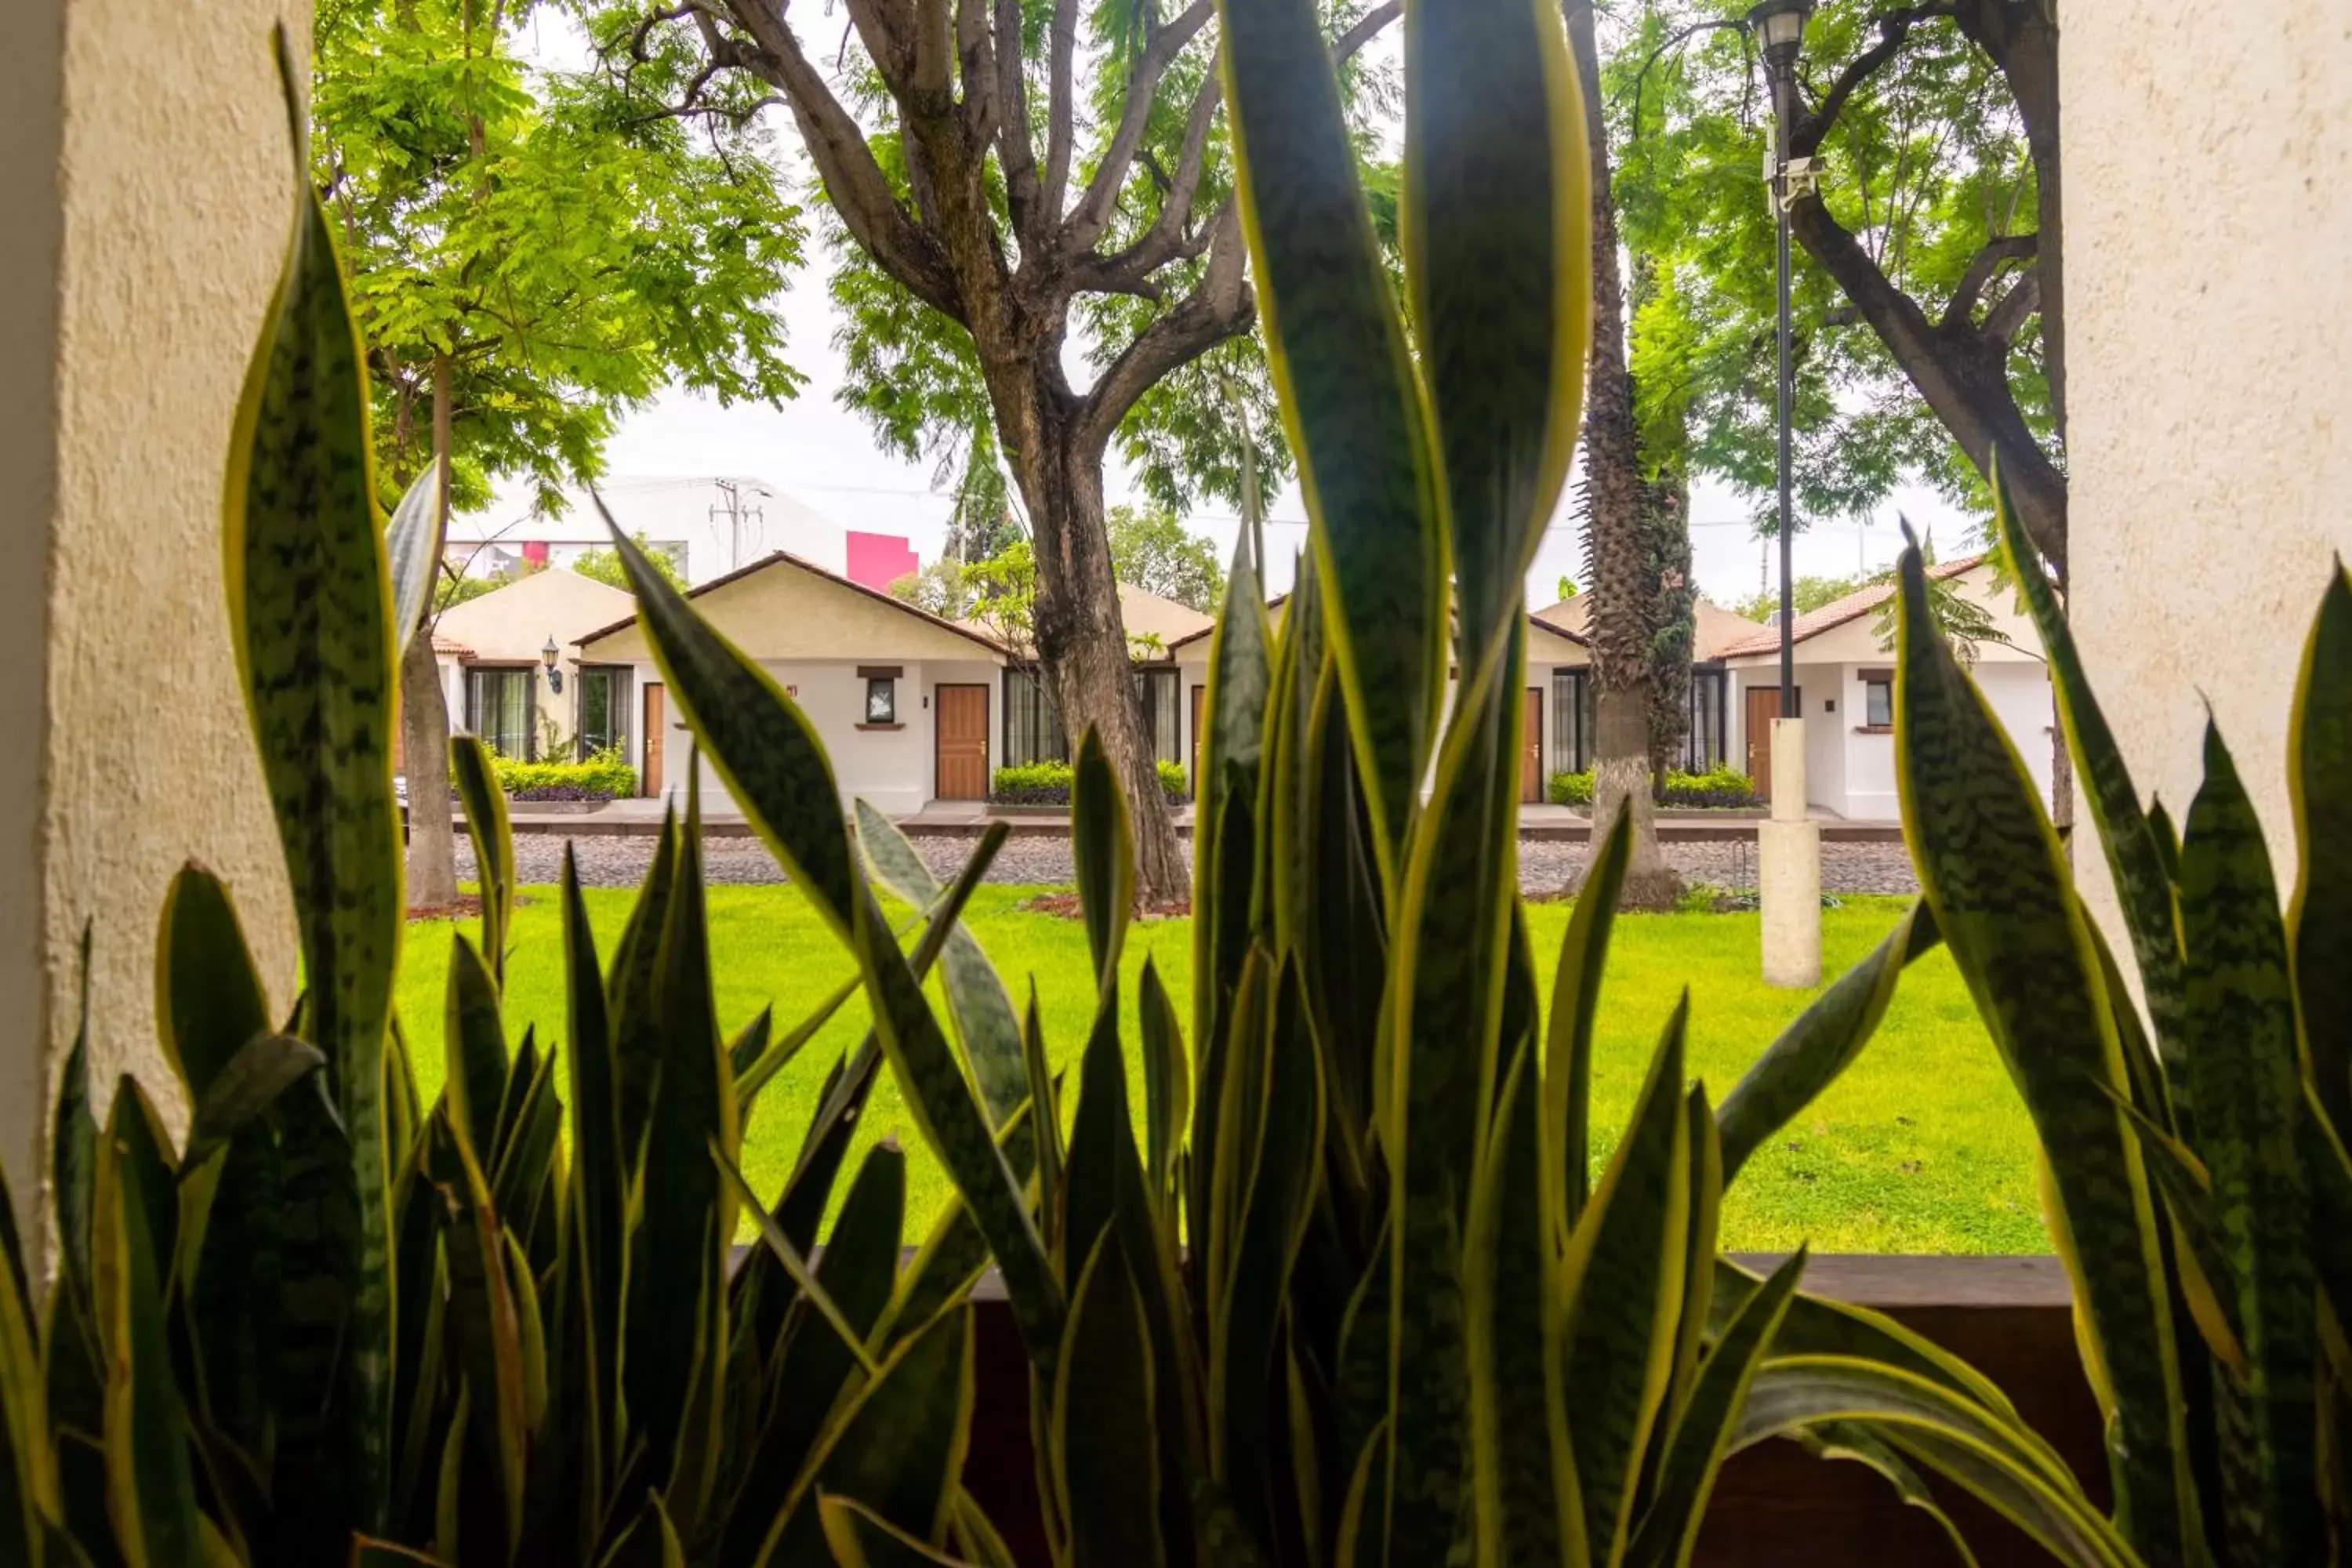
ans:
(547, 657)
(1779, 27)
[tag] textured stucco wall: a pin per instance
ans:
(784, 613)
(166, 193)
(2209, 255)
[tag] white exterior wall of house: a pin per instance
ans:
(1851, 768)
(510, 625)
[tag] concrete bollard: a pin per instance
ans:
(1788, 869)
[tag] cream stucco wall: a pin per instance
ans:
(147, 184)
(2208, 258)
(513, 624)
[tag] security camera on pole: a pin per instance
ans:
(1788, 846)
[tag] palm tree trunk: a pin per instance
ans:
(1625, 581)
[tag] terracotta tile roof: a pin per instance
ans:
(1838, 611)
(1716, 629)
(450, 646)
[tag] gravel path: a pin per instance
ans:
(1545, 867)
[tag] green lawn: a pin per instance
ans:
(1921, 1147)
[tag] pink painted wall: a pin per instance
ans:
(878, 560)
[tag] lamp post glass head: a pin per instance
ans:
(1779, 27)
(547, 655)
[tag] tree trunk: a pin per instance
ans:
(1624, 585)
(1081, 638)
(425, 719)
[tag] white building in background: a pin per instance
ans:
(709, 525)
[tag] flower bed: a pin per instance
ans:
(1719, 789)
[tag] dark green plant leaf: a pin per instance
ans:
(310, 616)
(764, 747)
(2246, 1082)
(1624, 1284)
(631, 998)
(1102, 846)
(1827, 1037)
(1497, 226)
(473, 1043)
(1568, 1037)
(1703, 1429)
(1350, 401)
(977, 1000)
(412, 548)
(29, 1472)
(600, 1169)
(2320, 923)
(859, 1539)
(493, 839)
(2136, 858)
(1106, 1455)
(150, 1485)
(1842, 1440)
(1167, 1084)
(209, 998)
(246, 1085)
(1996, 878)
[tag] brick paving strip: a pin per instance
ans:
(1547, 868)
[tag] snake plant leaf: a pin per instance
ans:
(1351, 403)
(520, 1181)
(1843, 1440)
(1360, 1392)
(367, 1554)
(763, 746)
(761, 1287)
(73, 1158)
(208, 996)
(977, 1003)
(1931, 1424)
(1996, 877)
(859, 1539)
(601, 1172)
(1167, 1083)
(1222, 954)
(954, 1255)
(1699, 1238)
(28, 1471)
(952, 1125)
(1104, 1448)
(1102, 1132)
(412, 548)
(2151, 1092)
(1232, 724)
(1343, 951)
(2320, 923)
(1044, 1111)
(246, 1086)
(1287, 786)
(1447, 979)
(150, 1484)
(1810, 1054)
(898, 1449)
(1523, 1480)
(1568, 1036)
(487, 1326)
(1227, 1139)
(2205, 1262)
(493, 839)
(475, 1045)
(137, 1153)
(1102, 848)
(1245, 1331)
(688, 1210)
(2238, 1004)
(781, 1247)
(744, 1051)
(1497, 225)
(856, 1274)
(630, 1001)
(1702, 1428)
(2136, 858)
(310, 615)
(1623, 1279)
(321, 1260)
(978, 1537)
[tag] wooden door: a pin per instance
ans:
(1763, 707)
(1531, 754)
(962, 771)
(1200, 704)
(649, 777)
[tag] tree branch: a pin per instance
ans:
(1893, 28)
(1367, 28)
(2008, 318)
(1093, 213)
(1013, 150)
(1988, 262)
(1168, 238)
(1961, 375)
(1062, 45)
(855, 182)
(1219, 308)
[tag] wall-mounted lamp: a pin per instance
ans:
(547, 661)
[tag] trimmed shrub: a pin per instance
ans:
(1049, 784)
(602, 776)
(1720, 788)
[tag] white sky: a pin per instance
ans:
(819, 452)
